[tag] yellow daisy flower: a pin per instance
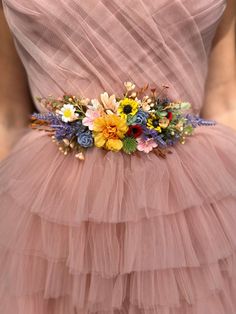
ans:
(108, 132)
(153, 123)
(127, 106)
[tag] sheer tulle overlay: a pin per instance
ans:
(117, 233)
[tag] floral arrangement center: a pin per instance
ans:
(139, 120)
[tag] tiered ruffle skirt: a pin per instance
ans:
(117, 233)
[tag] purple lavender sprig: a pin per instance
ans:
(62, 129)
(48, 116)
(155, 135)
(198, 121)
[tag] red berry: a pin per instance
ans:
(170, 116)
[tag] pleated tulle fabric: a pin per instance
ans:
(118, 234)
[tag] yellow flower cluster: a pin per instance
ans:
(108, 131)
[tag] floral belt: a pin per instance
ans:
(140, 120)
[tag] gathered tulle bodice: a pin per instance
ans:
(86, 47)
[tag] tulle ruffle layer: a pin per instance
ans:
(118, 233)
(217, 302)
(191, 238)
(27, 275)
(115, 187)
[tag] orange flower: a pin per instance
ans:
(108, 132)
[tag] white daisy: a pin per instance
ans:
(68, 113)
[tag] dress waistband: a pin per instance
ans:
(142, 119)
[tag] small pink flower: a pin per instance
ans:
(91, 115)
(146, 145)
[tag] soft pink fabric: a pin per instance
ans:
(118, 234)
(94, 45)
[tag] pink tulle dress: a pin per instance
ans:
(118, 233)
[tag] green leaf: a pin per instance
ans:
(129, 145)
(189, 129)
(185, 105)
(163, 113)
(131, 119)
(39, 99)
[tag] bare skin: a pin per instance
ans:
(15, 100)
(220, 99)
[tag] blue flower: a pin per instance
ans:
(141, 117)
(85, 139)
(67, 130)
(164, 101)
